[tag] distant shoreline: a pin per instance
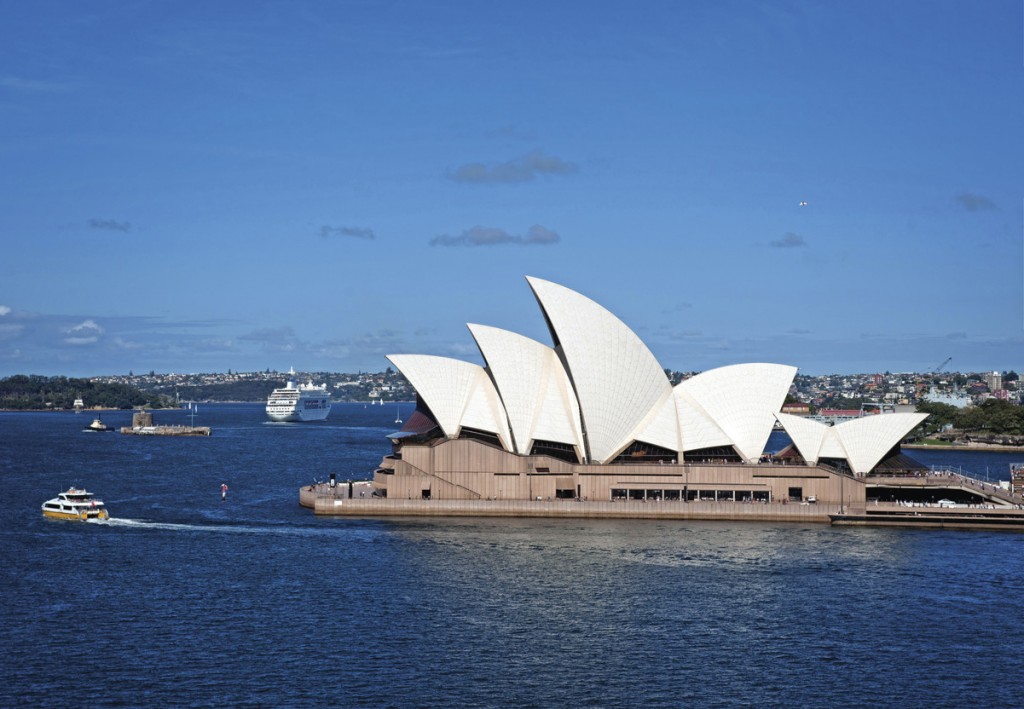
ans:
(182, 408)
(973, 447)
(962, 447)
(68, 411)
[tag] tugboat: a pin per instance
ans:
(97, 425)
(77, 505)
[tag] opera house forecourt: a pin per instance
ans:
(590, 426)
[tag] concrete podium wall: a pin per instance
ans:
(464, 469)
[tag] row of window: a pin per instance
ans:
(659, 495)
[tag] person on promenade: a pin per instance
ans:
(223, 492)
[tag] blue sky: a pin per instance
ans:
(195, 187)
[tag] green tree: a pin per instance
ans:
(939, 415)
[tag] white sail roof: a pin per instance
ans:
(662, 426)
(696, 428)
(867, 439)
(533, 387)
(458, 394)
(832, 447)
(807, 436)
(600, 389)
(742, 400)
(862, 442)
(616, 378)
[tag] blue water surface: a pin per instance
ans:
(184, 600)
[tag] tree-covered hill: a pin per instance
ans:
(229, 391)
(993, 417)
(37, 392)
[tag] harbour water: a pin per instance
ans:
(184, 599)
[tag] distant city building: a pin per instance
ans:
(834, 416)
(797, 408)
(954, 398)
(994, 381)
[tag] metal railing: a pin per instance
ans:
(947, 476)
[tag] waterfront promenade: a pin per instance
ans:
(325, 500)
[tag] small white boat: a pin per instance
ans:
(75, 504)
(97, 425)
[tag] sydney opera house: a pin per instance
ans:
(593, 416)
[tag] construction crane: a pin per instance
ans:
(942, 366)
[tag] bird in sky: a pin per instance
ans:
(803, 203)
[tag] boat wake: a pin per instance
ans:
(173, 526)
(317, 531)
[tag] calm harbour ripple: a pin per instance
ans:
(183, 600)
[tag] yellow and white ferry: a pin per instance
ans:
(75, 504)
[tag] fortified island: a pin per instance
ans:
(142, 425)
(592, 427)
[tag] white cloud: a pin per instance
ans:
(4, 310)
(536, 235)
(127, 344)
(523, 169)
(358, 232)
(789, 240)
(86, 332)
(975, 202)
(112, 224)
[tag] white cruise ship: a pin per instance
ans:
(305, 402)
